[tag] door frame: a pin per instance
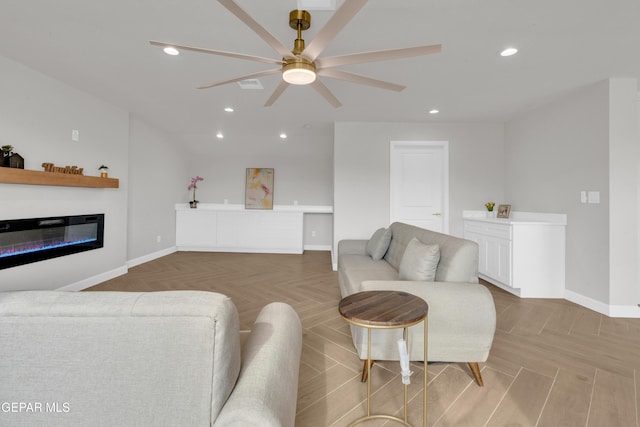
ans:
(444, 145)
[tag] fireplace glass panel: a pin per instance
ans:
(30, 240)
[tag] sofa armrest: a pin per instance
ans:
(472, 303)
(266, 391)
(352, 247)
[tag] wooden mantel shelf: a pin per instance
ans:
(30, 177)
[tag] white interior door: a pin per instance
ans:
(419, 172)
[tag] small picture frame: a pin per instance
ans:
(504, 211)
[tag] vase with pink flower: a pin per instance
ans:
(194, 184)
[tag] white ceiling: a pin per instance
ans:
(102, 48)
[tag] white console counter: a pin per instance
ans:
(232, 228)
(524, 254)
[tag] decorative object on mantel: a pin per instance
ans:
(259, 188)
(16, 161)
(503, 211)
(490, 212)
(6, 155)
(71, 170)
(194, 184)
(104, 171)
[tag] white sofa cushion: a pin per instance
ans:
(458, 257)
(379, 243)
(118, 358)
(419, 261)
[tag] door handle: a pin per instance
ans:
(436, 214)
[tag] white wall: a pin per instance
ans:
(37, 115)
(587, 141)
(637, 261)
(157, 171)
(624, 157)
(303, 169)
(303, 166)
(361, 165)
(552, 154)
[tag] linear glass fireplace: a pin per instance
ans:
(23, 241)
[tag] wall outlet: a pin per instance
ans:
(159, 238)
(75, 135)
(313, 233)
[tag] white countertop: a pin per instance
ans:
(238, 207)
(516, 217)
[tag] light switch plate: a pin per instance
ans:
(594, 197)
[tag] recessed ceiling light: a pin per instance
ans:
(219, 135)
(229, 109)
(171, 51)
(434, 111)
(509, 51)
(283, 135)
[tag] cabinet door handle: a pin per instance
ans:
(436, 214)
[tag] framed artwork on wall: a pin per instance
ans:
(503, 211)
(258, 192)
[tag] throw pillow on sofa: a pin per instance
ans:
(379, 243)
(419, 261)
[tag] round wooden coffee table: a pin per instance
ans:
(386, 310)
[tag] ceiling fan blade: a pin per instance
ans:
(326, 93)
(218, 52)
(355, 78)
(257, 28)
(338, 21)
(238, 79)
(380, 55)
(276, 93)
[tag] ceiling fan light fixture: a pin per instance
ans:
(299, 72)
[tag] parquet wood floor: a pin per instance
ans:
(553, 363)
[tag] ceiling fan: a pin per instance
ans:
(302, 65)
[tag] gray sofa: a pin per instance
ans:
(144, 359)
(441, 269)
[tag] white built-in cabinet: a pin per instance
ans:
(524, 254)
(232, 228)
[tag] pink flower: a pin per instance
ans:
(194, 181)
(193, 186)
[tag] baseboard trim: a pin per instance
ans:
(94, 280)
(628, 311)
(317, 247)
(150, 257)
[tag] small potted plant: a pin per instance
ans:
(6, 155)
(489, 206)
(104, 171)
(194, 184)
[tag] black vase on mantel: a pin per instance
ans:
(6, 159)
